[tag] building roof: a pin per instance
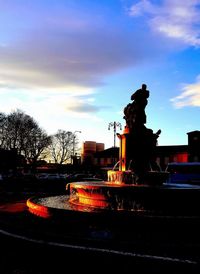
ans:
(171, 149)
(194, 132)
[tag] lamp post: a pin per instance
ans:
(74, 137)
(114, 125)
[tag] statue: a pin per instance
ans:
(141, 141)
(134, 113)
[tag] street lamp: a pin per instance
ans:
(114, 125)
(74, 137)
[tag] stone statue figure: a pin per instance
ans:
(134, 113)
(141, 141)
(140, 101)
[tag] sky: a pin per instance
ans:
(74, 64)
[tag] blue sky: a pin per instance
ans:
(73, 64)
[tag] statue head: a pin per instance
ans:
(144, 86)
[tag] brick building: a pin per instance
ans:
(164, 154)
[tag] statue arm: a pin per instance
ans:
(133, 96)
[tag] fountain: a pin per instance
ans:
(135, 200)
(139, 185)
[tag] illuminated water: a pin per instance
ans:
(158, 200)
(62, 202)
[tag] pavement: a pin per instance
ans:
(31, 244)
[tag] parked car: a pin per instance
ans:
(53, 176)
(184, 173)
(50, 176)
(41, 176)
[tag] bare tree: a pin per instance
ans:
(62, 146)
(22, 132)
(3, 130)
(19, 128)
(37, 144)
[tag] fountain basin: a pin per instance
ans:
(97, 197)
(167, 216)
(167, 199)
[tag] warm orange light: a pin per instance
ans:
(14, 207)
(38, 210)
(120, 177)
(123, 153)
(126, 130)
(90, 202)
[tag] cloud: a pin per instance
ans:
(190, 96)
(144, 6)
(63, 47)
(172, 18)
(82, 107)
(75, 103)
(68, 48)
(53, 110)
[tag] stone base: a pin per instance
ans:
(118, 177)
(166, 199)
(129, 177)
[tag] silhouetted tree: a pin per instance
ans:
(3, 130)
(62, 146)
(22, 133)
(37, 144)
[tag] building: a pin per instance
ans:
(173, 153)
(108, 157)
(164, 154)
(194, 146)
(89, 149)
